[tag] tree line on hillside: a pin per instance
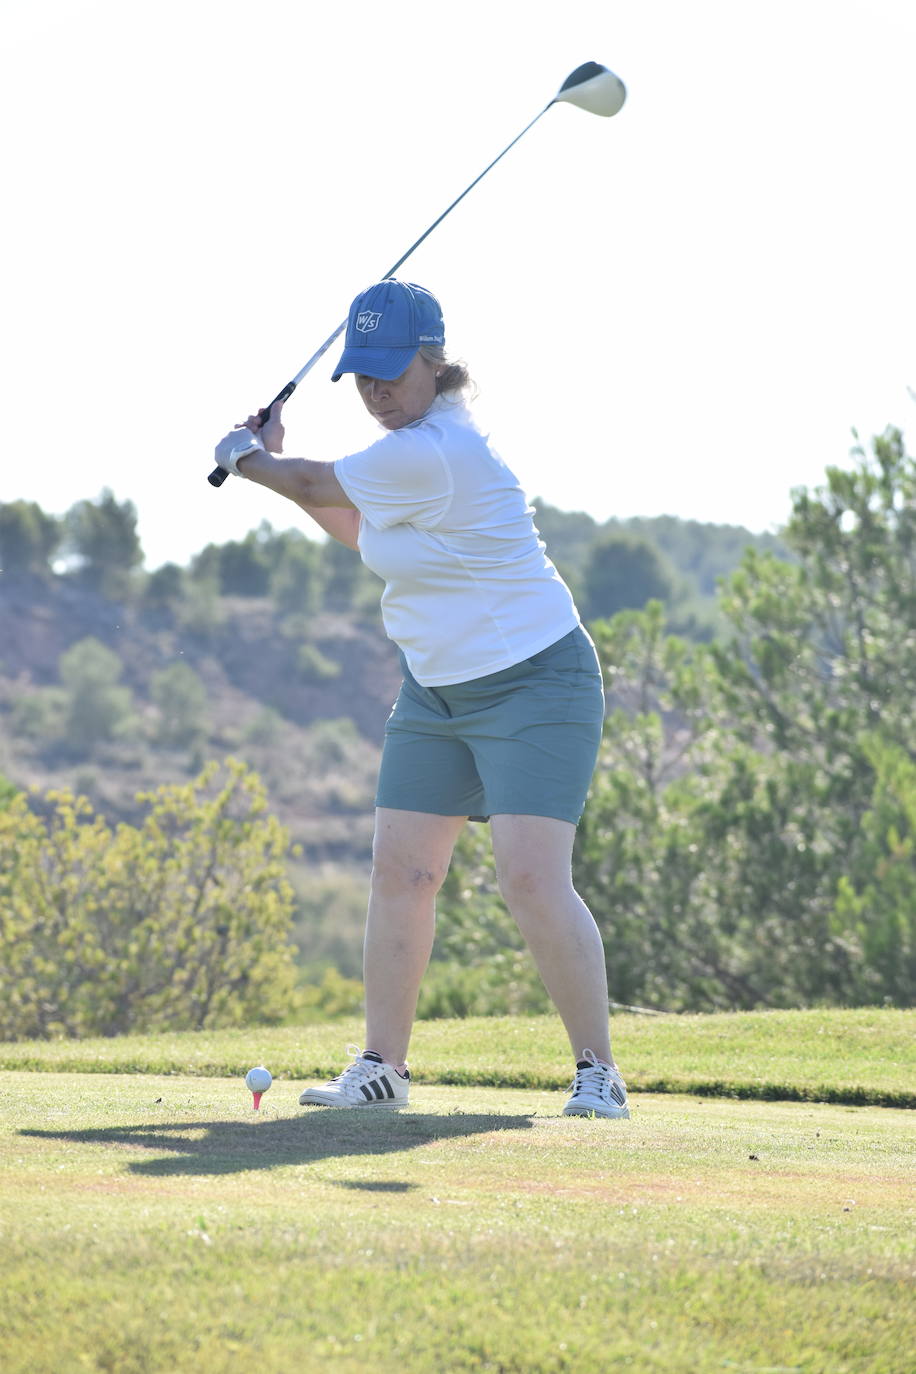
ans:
(612, 566)
(127, 677)
(750, 839)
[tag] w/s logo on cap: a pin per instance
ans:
(367, 320)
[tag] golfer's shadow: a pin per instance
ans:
(227, 1147)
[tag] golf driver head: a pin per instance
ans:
(594, 88)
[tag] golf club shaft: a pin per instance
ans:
(218, 475)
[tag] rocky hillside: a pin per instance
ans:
(114, 680)
(304, 704)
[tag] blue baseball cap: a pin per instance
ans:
(387, 324)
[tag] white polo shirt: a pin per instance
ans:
(469, 589)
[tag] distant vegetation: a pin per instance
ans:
(180, 922)
(751, 837)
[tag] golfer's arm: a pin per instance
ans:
(342, 525)
(311, 485)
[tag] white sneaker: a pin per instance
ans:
(597, 1090)
(367, 1082)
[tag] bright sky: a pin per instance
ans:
(684, 309)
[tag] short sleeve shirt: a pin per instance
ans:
(469, 589)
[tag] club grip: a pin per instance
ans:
(218, 476)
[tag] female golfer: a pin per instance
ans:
(500, 712)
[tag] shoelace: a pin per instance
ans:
(585, 1079)
(360, 1070)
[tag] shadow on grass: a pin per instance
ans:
(227, 1147)
(374, 1185)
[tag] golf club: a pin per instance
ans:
(590, 87)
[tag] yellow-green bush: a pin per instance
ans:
(178, 923)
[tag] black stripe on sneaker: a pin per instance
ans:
(365, 1092)
(374, 1085)
(387, 1086)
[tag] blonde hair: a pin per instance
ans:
(454, 374)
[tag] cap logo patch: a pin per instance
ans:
(367, 320)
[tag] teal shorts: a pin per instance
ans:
(522, 742)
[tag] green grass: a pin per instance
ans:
(860, 1057)
(155, 1223)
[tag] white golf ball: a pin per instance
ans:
(258, 1080)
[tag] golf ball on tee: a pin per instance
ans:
(258, 1080)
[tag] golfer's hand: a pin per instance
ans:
(272, 432)
(234, 446)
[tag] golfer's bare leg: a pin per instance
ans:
(534, 867)
(410, 858)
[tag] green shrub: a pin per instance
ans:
(181, 698)
(314, 666)
(332, 996)
(179, 923)
(506, 985)
(97, 707)
(40, 714)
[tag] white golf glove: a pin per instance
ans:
(237, 445)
